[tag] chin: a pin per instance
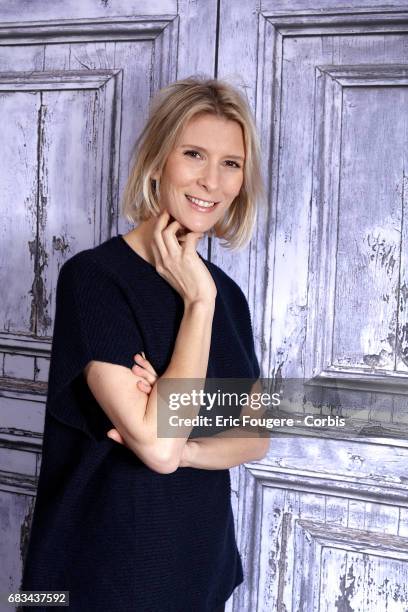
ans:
(197, 227)
(192, 225)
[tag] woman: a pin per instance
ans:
(124, 519)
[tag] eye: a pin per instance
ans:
(192, 154)
(235, 164)
(196, 155)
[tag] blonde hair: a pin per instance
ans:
(171, 109)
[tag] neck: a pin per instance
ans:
(140, 239)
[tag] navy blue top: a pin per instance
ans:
(113, 532)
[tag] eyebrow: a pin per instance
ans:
(190, 146)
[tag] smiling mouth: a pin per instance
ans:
(201, 203)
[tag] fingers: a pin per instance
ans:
(191, 241)
(146, 377)
(164, 236)
(143, 386)
(142, 361)
(158, 243)
(163, 220)
(170, 239)
(144, 370)
(114, 435)
(183, 235)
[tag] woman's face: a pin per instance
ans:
(207, 165)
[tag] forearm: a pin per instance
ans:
(189, 361)
(225, 450)
(192, 347)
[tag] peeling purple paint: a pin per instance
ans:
(32, 247)
(25, 530)
(404, 292)
(357, 459)
(383, 359)
(382, 253)
(60, 244)
(39, 317)
(282, 561)
(342, 602)
(40, 321)
(402, 345)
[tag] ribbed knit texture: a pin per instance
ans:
(117, 535)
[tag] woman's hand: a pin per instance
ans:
(178, 263)
(144, 370)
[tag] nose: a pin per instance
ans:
(209, 178)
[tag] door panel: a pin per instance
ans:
(323, 516)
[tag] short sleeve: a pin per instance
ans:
(255, 363)
(256, 371)
(248, 333)
(93, 321)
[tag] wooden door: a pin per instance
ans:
(323, 521)
(75, 82)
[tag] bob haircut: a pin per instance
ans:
(171, 109)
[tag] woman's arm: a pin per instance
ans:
(222, 451)
(189, 361)
(132, 413)
(229, 448)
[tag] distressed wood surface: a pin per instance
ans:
(351, 463)
(328, 6)
(72, 9)
(19, 183)
(16, 511)
(237, 63)
(318, 305)
(285, 316)
(296, 526)
(75, 85)
(371, 218)
(319, 520)
(370, 577)
(364, 278)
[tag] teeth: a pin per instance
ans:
(201, 202)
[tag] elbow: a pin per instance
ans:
(164, 467)
(163, 462)
(155, 454)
